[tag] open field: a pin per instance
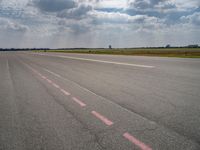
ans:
(162, 52)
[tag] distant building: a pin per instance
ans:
(110, 47)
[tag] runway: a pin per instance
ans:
(82, 102)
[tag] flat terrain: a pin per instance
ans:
(61, 101)
(161, 52)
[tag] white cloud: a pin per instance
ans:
(11, 26)
(121, 18)
(98, 23)
(192, 19)
(76, 13)
(186, 4)
(112, 4)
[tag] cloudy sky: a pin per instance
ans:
(98, 23)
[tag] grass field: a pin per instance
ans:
(163, 52)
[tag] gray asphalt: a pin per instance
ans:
(156, 100)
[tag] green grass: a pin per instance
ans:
(161, 52)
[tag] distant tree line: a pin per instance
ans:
(46, 49)
(189, 46)
(36, 49)
(22, 49)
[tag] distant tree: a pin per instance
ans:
(168, 46)
(110, 47)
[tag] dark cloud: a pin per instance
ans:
(54, 5)
(147, 4)
(139, 4)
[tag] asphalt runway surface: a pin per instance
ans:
(56, 101)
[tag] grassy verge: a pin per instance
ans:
(161, 52)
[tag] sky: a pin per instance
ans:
(98, 23)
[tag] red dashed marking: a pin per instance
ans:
(49, 81)
(43, 77)
(102, 118)
(34, 70)
(39, 74)
(65, 92)
(136, 142)
(79, 102)
(56, 86)
(105, 120)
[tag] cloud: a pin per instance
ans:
(143, 4)
(8, 25)
(166, 6)
(89, 1)
(120, 18)
(192, 19)
(75, 26)
(76, 13)
(120, 22)
(139, 4)
(170, 11)
(54, 5)
(151, 5)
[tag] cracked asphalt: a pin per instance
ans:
(62, 101)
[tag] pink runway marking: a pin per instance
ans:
(33, 70)
(137, 142)
(102, 118)
(56, 86)
(43, 77)
(39, 74)
(49, 81)
(79, 102)
(65, 92)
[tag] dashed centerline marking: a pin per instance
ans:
(136, 142)
(49, 81)
(102, 118)
(79, 102)
(44, 77)
(56, 86)
(65, 92)
(105, 120)
(39, 74)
